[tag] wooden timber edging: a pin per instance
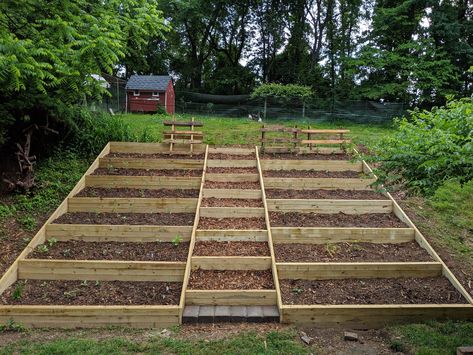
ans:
(231, 212)
(142, 182)
(231, 262)
(231, 235)
(324, 165)
(318, 183)
(232, 193)
(329, 206)
(231, 297)
(152, 148)
(150, 163)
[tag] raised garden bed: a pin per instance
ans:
(348, 174)
(232, 170)
(130, 192)
(295, 219)
(222, 156)
(148, 172)
(314, 156)
(80, 250)
(200, 156)
(325, 194)
(231, 280)
(244, 185)
(59, 292)
(158, 219)
(232, 223)
(211, 248)
(432, 290)
(350, 252)
(231, 202)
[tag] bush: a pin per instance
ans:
(429, 148)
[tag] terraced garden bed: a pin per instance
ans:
(231, 202)
(199, 156)
(337, 194)
(221, 156)
(144, 193)
(232, 170)
(213, 248)
(314, 156)
(148, 172)
(232, 223)
(244, 185)
(231, 280)
(158, 219)
(348, 174)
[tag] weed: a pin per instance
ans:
(18, 291)
(71, 294)
(331, 249)
(84, 283)
(297, 290)
(177, 240)
(52, 242)
(27, 222)
(66, 253)
(12, 326)
(43, 248)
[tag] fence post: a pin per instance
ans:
(303, 109)
(265, 106)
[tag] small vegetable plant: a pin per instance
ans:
(177, 240)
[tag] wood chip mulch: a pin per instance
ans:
(295, 219)
(148, 172)
(257, 223)
(222, 156)
(157, 219)
(232, 170)
(200, 156)
(244, 185)
(231, 202)
(144, 193)
(337, 194)
(349, 174)
(59, 292)
(314, 156)
(147, 251)
(371, 291)
(231, 280)
(214, 248)
(351, 252)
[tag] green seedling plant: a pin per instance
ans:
(331, 249)
(297, 290)
(177, 240)
(52, 242)
(18, 291)
(43, 248)
(12, 326)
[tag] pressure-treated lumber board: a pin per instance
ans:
(372, 316)
(150, 163)
(324, 235)
(325, 131)
(325, 165)
(321, 150)
(183, 123)
(231, 297)
(231, 150)
(117, 233)
(232, 177)
(91, 316)
(330, 206)
(38, 269)
(231, 262)
(325, 141)
(232, 193)
(131, 205)
(363, 270)
(231, 212)
(151, 148)
(232, 235)
(142, 182)
(317, 183)
(216, 163)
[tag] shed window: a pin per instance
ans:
(155, 93)
(136, 93)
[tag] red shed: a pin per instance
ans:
(145, 93)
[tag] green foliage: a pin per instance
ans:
(18, 291)
(289, 91)
(177, 240)
(12, 326)
(27, 222)
(429, 148)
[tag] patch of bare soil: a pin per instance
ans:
(158, 219)
(337, 194)
(314, 156)
(144, 193)
(232, 223)
(156, 156)
(295, 219)
(80, 250)
(231, 280)
(350, 252)
(148, 172)
(60, 292)
(231, 202)
(348, 174)
(214, 248)
(244, 185)
(232, 170)
(222, 156)
(429, 290)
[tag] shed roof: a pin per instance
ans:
(148, 82)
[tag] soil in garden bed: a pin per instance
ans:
(232, 223)
(244, 185)
(145, 193)
(325, 194)
(200, 156)
(80, 250)
(348, 174)
(350, 252)
(231, 280)
(148, 172)
(290, 156)
(231, 202)
(60, 292)
(214, 248)
(295, 219)
(222, 156)
(232, 170)
(437, 290)
(157, 219)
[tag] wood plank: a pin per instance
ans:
(183, 123)
(324, 235)
(132, 205)
(182, 141)
(231, 212)
(325, 131)
(231, 150)
(104, 270)
(117, 233)
(318, 183)
(195, 133)
(330, 206)
(325, 141)
(231, 297)
(279, 140)
(232, 177)
(232, 163)
(232, 235)
(280, 129)
(321, 150)
(325, 165)
(149, 148)
(142, 182)
(231, 262)
(150, 163)
(232, 193)
(329, 270)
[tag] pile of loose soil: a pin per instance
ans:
(222, 156)
(213, 248)
(148, 172)
(349, 174)
(295, 219)
(371, 291)
(350, 252)
(156, 156)
(232, 223)
(231, 202)
(145, 193)
(80, 250)
(314, 156)
(157, 219)
(59, 292)
(232, 170)
(231, 280)
(244, 185)
(325, 194)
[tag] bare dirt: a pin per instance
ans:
(291, 156)
(232, 223)
(232, 170)
(337, 194)
(349, 174)
(158, 219)
(148, 172)
(214, 248)
(143, 193)
(243, 185)
(156, 156)
(231, 202)
(231, 280)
